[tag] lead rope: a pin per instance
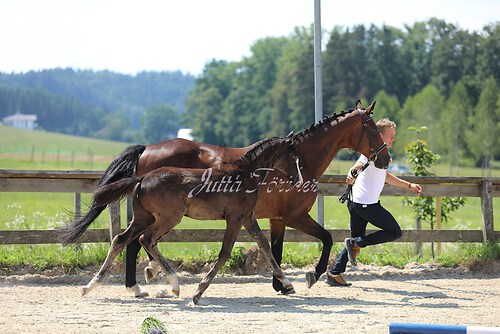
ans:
(347, 195)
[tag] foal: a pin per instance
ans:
(163, 196)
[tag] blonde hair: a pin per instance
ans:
(385, 123)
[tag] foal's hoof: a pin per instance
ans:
(176, 292)
(287, 290)
(196, 299)
(85, 291)
(162, 294)
(149, 274)
(310, 279)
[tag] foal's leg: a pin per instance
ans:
(149, 240)
(119, 242)
(254, 230)
(233, 227)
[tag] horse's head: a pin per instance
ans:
(370, 142)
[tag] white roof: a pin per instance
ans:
(20, 117)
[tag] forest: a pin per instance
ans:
(430, 74)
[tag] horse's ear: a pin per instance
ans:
(358, 105)
(370, 108)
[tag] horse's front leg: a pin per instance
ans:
(254, 230)
(232, 229)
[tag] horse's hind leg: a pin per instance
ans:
(306, 224)
(232, 230)
(254, 230)
(277, 234)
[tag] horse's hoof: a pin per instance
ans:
(176, 292)
(310, 279)
(138, 292)
(287, 291)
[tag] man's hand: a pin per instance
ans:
(350, 176)
(416, 188)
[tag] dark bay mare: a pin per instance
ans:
(161, 197)
(317, 145)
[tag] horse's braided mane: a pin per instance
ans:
(262, 145)
(307, 132)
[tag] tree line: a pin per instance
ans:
(430, 74)
(99, 104)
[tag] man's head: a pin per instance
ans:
(387, 129)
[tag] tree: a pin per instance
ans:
(160, 123)
(425, 108)
(454, 125)
(483, 136)
(205, 100)
(421, 159)
(387, 106)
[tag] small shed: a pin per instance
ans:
(23, 121)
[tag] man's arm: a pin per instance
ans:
(393, 180)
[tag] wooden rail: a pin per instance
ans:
(329, 185)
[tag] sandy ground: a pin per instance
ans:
(51, 303)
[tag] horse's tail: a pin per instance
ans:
(121, 167)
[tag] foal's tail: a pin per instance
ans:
(115, 191)
(120, 168)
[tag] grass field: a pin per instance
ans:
(48, 151)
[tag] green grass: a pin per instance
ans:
(41, 150)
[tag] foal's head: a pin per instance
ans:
(278, 153)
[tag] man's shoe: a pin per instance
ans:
(336, 280)
(352, 251)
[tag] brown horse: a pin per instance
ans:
(163, 196)
(354, 129)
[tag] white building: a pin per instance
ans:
(23, 121)
(185, 134)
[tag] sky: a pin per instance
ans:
(128, 36)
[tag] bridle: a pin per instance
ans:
(371, 141)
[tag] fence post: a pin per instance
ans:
(320, 207)
(114, 220)
(78, 205)
(438, 222)
(487, 210)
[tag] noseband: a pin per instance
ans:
(373, 152)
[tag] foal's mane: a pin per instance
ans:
(312, 128)
(257, 151)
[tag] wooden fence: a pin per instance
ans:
(329, 185)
